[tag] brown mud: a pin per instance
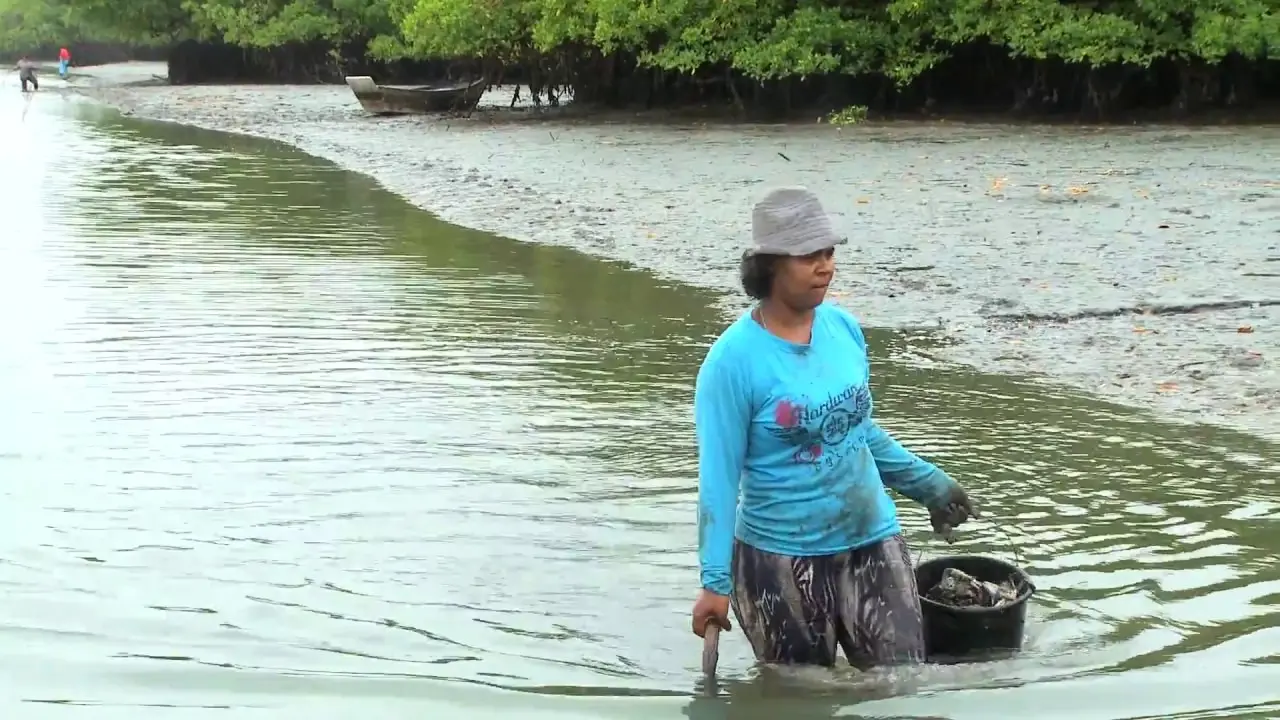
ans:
(1141, 264)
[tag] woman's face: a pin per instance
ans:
(801, 282)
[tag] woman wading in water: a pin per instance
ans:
(795, 527)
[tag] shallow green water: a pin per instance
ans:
(273, 440)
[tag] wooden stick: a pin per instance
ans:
(710, 650)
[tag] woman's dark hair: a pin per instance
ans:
(757, 273)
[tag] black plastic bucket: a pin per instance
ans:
(966, 633)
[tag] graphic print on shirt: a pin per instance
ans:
(819, 431)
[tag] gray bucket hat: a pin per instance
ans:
(791, 221)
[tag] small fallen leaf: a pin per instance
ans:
(1244, 329)
(863, 200)
(1167, 386)
(1140, 330)
(1077, 190)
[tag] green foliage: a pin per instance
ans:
(1248, 27)
(851, 115)
(1132, 32)
(469, 28)
(271, 23)
(24, 25)
(765, 39)
(29, 23)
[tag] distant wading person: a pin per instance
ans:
(64, 63)
(27, 74)
(796, 529)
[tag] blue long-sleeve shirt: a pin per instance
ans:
(790, 460)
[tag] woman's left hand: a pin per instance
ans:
(955, 509)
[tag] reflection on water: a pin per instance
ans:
(273, 439)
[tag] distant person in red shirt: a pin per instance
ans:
(64, 62)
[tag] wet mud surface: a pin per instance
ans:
(1140, 264)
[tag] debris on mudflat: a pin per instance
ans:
(959, 589)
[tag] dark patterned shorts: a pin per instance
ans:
(796, 610)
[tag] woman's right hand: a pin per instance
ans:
(952, 512)
(710, 608)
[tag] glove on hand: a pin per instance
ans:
(954, 509)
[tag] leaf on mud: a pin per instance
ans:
(997, 185)
(1244, 329)
(1077, 190)
(863, 200)
(1167, 387)
(1141, 330)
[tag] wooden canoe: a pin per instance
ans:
(415, 99)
